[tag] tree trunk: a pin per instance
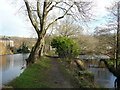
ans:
(35, 50)
(115, 72)
(117, 36)
(41, 52)
(41, 27)
(117, 83)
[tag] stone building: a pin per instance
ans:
(7, 42)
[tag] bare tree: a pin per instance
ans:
(106, 38)
(39, 16)
(41, 28)
(88, 44)
(68, 28)
(115, 14)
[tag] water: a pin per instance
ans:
(11, 66)
(102, 77)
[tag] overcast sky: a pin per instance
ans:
(12, 24)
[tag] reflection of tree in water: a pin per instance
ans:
(24, 62)
(5, 63)
(11, 61)
(18, 60)
(102, 75)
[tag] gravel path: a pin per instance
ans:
(56, 77)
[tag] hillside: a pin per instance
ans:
(19, 40)
(17, 43)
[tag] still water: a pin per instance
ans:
(102, 76)
(11, 66)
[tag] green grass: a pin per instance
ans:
(36, 76)
(85, 80)
(33, 77)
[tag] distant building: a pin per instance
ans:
(7, 41)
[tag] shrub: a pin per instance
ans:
(13, 49)
(65, 47)
(23, 48)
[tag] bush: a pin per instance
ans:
(23, 48)
(65, 47)
(13, 49)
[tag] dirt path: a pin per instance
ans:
(57, 78)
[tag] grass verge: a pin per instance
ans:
(33, 76)
(79, 78)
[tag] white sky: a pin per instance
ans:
(14, 25)
(11, 24)
(100, 12)
(100, 5)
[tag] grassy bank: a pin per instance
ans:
(33, 77)
(80, 78)
(40, 76)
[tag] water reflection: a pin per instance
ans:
(11, 65)
(102, 75)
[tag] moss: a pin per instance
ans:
(87, 75)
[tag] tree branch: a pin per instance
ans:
(49, 4)
(52, 7)
(43, 21)
(61, 8)
(38, 11)
(31, 17)
(59, 17)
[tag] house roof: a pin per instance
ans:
(4, 38)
